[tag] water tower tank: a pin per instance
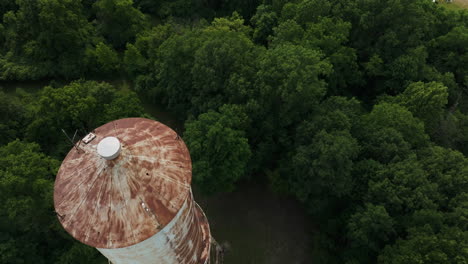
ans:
(127, 193)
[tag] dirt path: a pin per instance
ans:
(461, 3)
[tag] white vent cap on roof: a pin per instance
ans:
(109, 148)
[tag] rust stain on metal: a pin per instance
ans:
(185, 240)
(118, 203)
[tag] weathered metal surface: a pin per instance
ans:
(186, 239)
(121, 202)
(206, 236)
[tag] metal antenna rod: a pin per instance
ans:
(74, 135)
(71, 140)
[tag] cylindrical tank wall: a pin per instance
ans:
(135, 207)
(185, 239)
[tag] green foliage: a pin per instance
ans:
(389, 132)
(370, 228)
(45, 38)
(133, 61)
(106, 59)
(82, 106)
(264, 20)
(173, 71)
(403, 187)
(119, 21)
(148, 41)
(219, 148)
(203, 68)
(307, 11)
(426, 101)
(410, 66)
(450, 52)
(232, 23)
(426, 246)
(290, 75)
(288, 31)
(321, 155)
(27, 221)
(262, 96)
(330, 36)
(422, 197)
(224, 68)
(13, 118)
(448, 169)
(176, 8)
(5, 6)
(81, 254)
(28, 224)
(147, 45)
(323, 168)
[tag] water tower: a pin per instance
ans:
(125, 190)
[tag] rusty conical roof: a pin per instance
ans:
(120, 202)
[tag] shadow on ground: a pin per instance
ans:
(259, 226)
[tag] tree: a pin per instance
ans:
(219, 148)
(351, 107)
(307, 11)
(331, 36)
(409, 67)
(133, 61)
(27, 220)
(453, 131)
(13, 118)
(148, 41)
(29, 227)
(80, 105)
(424, 198)
(203, 68)
(426, 101)
(369, 229)
(288, 31)
(172, 71)
(421, 196)
(448, 169)
(5, 6)
(79, 253)
(389, 129)
(322, 170)
(458, 211)
(246, 8)
(386, 145)
(332, 119)
(143, 58)
(403, 188)
(423, 245)
(224, 66)
(119, 21)
(289, 76)
(450, 53)
(264, 20)
(175, 8)
(106, 58)
(397, 34)
(295, 83)
(46, 38)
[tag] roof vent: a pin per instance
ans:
(109, 148)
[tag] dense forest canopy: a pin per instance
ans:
(358, 108)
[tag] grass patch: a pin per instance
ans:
(455, 5)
